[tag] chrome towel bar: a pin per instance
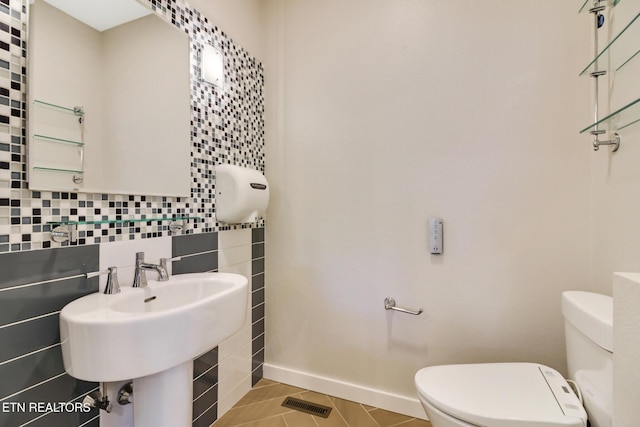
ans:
(390, 304)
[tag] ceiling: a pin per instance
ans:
(102, 14)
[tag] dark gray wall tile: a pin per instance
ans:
(24, 303)
(257, 297)
(257, 266)
(257, 235)
(258, 359)
(207, 418)
(200, 367)
(257, 250)
(257, 303)
(205, 401)
(205, 362)
(196, 263)
(29, 336)
(67, 419)
(257, 313)
(257, 328)
(257, 375)
(205, 382)
(257, 281)
(194, 243)
(30, 370)
(257, 344)
(63, 389)
(19, 268)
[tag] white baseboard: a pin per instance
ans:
(355, 392)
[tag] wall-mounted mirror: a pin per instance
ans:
(109, 99)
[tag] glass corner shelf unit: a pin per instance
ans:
(588, 4)
(66, 230)
(619, 119)
(622, 49)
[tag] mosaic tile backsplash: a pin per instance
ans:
(227, 127)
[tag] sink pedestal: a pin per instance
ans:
(164, 399)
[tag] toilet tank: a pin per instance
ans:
(588, 321)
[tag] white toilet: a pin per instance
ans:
(530, 394)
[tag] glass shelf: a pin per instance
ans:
(625, 49)
(124, 221)
(78, 111)
(47, 169)
(588, 4)
(65, 230)
(60, 140)
(620, 119)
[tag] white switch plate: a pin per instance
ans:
(435, 235)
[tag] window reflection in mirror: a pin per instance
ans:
(132, 83)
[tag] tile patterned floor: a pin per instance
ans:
(261, 407)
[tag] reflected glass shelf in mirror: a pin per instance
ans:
(588, 4)
(57, 177)
(58, 140)
(619, 119)
(49, 169)
(621, 51)
(78, 111)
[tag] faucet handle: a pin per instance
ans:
(140, 256)
(112, 287)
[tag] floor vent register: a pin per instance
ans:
(307, 407)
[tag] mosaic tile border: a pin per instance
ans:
(227, 127)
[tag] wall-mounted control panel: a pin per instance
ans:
(435, 235)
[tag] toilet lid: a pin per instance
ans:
(502, 395)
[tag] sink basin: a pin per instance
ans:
(144, 331)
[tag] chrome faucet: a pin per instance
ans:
(140, 277)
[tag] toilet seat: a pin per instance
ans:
(501, 395)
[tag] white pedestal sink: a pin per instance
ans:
(151, 336)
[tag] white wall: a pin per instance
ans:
(381, 114)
